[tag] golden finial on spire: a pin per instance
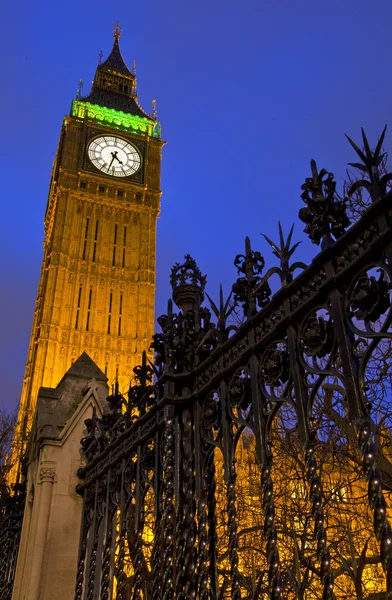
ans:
(117, 31)
(154, 110)
(134, 68)
(79, 90)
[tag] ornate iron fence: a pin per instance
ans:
(166, 468)
(11, 518)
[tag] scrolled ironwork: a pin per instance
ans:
(239, 396)
(211, 417)
(275, 369)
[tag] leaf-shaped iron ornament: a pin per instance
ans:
(222, 313)
(376, 183)
(324, 216)
(284, 252)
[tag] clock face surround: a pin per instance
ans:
(114, 156)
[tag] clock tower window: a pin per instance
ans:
(89, 308)
(95, 241)
(78, 308)
(120, 315)
(114, 246)
(110, 311)
(124, 246)
(85, 240)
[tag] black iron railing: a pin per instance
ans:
(252, 461)
(12, 504)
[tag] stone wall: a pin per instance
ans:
(47, 560)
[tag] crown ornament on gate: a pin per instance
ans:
(188, 284)
(188, 336)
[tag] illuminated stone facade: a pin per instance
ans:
(97, 283)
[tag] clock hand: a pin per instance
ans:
(114, 154)
(113, 157)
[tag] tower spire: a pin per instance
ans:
(114, 83)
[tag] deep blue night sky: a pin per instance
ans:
(248, 92)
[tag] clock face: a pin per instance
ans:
(114, 156)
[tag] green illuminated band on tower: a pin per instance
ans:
(115, 118)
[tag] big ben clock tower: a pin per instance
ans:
(97, 284)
